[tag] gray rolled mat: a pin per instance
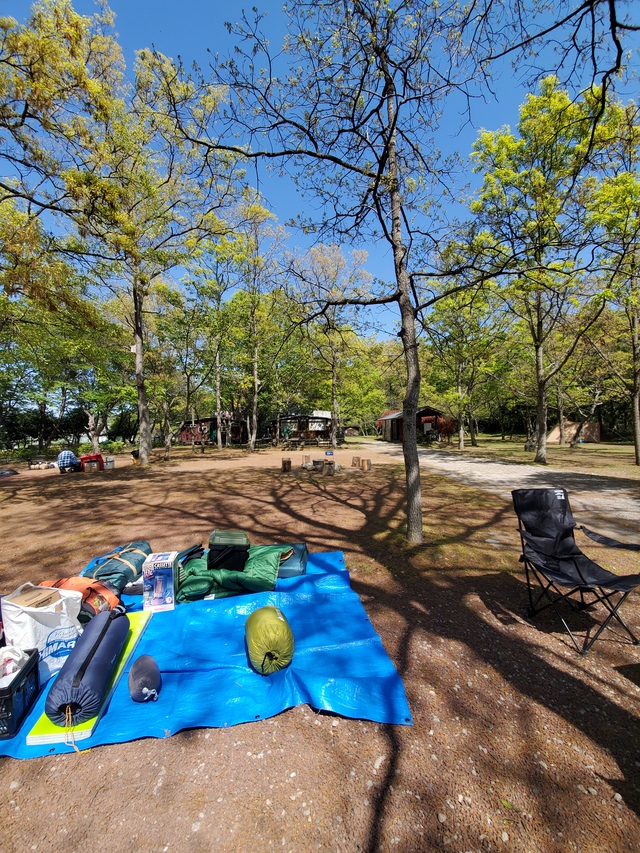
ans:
(145, 680)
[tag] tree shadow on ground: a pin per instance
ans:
(437, 619)
(526, 667)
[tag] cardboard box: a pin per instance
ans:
(37, 596)
(159, 573)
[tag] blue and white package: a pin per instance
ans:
(159, 572)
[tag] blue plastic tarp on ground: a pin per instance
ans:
(339, 665)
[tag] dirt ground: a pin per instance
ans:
(518, 743)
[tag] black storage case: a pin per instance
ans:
(16, 699)
(228, 549)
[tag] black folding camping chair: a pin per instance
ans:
(557, 571)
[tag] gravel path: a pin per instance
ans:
(608, 503)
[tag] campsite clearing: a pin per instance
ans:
(515, 738)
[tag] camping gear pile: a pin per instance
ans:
(79, 625)
(190, 667)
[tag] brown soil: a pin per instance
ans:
(518, 743)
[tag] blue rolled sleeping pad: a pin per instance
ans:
(79, 689)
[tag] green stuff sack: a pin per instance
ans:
(269, 640)
(196, 579)
(193, 589)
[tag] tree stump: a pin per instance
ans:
(329, 467)
(365, 464)
(286, 465)
(355, 462)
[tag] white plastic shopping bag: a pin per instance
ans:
(12, 659)
(51, 628)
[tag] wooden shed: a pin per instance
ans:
(204, 431)
(428, 423)
(307, 428)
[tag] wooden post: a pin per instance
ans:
(329, 467)
(365, 464)
(355, 462)
(286, 465)
(306, 460)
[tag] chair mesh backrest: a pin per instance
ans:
(547, 527)
(546, 515)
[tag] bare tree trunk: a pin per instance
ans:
(563, 437)
(634, 320)
(166, 428)
(144, 446)
(42, 411)
(636, 422)
(473, 432)
(218, 406)
(409, 439)
(408, 337)
(253, 429)
(193, 432)
(541, 409)
(95, 428)
(460, 408)
(335, 407)
(63, 404)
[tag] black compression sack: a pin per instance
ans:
(79, 689)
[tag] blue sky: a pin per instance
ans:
(187, 29)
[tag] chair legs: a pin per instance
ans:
(589, 596)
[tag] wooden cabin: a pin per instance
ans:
(428, 423)
(204, 431)
(308, 429)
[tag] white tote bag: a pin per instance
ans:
(52, 629)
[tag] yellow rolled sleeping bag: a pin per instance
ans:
(269, 640)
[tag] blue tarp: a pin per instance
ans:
(339, 665)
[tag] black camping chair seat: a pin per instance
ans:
(556, 568)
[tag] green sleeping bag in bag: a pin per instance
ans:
(196, 580)
(269, 640)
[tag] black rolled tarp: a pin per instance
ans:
(79, 689)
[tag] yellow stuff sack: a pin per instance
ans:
(269, 640)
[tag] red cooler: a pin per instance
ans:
(92, 462)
